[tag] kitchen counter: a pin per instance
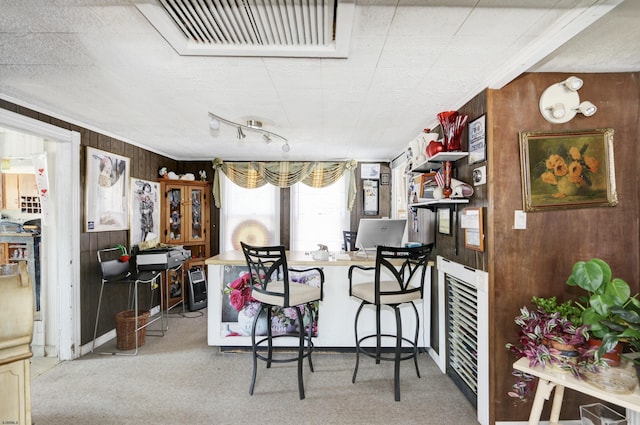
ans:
(336, 311)
(296, 258)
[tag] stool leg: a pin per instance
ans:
(300, 352)
(160, 282)
(415, 339)
(157, 282)
(355, 370)
(269, 338)
(130, 297)
(135, 309)
(254, 349)
(396, 372)
(95, 329)
(378, 334)
(309, 335)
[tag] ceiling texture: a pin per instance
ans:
(338, 79)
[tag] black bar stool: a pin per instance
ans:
(398, 279)
(116, 272)
(272, 288)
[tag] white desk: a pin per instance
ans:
(336, 311)
(550, 378)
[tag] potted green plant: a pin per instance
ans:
(612, 314)
(124, 256)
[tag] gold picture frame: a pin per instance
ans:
(572, 169)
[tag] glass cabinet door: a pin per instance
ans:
(174, 199)
(195, 228)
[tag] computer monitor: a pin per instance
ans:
(374, 232)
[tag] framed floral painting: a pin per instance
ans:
(573, 169)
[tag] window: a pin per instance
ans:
(319, 215)
(248, 215)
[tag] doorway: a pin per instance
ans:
(57, 333)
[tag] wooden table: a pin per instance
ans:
(550, 378)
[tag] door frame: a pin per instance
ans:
(61, 234)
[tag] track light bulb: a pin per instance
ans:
(267, 138)
(587, 108)
(558, 110)
(286, 147)
(214, 124)
(241, 135)
(573, 83)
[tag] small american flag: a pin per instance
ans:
(439, 178)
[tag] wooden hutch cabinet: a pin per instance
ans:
(185, 222)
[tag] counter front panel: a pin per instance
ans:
(230, 313)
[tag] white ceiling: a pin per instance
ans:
(102, 65)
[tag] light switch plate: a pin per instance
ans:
(479, 175)
(520, 220)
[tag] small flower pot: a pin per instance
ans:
(562, 346)
(612, 357)
(124, 258)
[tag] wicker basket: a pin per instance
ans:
(126, 329)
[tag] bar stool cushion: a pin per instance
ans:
(367, 292)
(298, 294)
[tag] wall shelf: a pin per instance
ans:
(434, 202)
(435, 162)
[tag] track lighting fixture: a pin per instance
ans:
(587, 108)
(560, 102)
(251, 126)
(573, 83)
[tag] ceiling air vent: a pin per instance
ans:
(288, 28)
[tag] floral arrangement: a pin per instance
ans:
(568, 169)
(283, 320)
(239, 292)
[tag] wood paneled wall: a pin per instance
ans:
(384, 197)
(452, 246)
(144, 165)
(538, 260)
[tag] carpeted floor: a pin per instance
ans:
(179, 379)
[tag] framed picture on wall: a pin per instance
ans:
(471, 222)
(444, 221)
(572, 169)
(477, 140)
(370, 171)
(370, 196)
(144, 214)
(106, 191)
